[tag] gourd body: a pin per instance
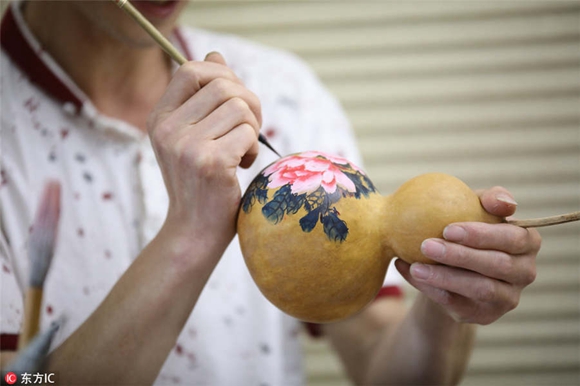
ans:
(310, 228)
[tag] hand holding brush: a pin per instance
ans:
(168, 47)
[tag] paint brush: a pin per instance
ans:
(40, 250)
(167, 46)
(32, 357)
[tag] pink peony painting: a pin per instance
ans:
(311, 180)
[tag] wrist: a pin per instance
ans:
(191, 250)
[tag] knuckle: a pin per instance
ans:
(205, 163)
(161, 131)
(445, 298)
(535, 239)
(239, 104)
(513, 302)
(530, 275)
(189, 70)
(221, 86)
(505, 264)
(483, 316)
(485, 293)
(248, 130)
(242, 110)
(522, 240)
(521, 243)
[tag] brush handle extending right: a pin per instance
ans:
(546, 221)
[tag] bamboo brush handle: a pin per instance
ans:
(30, 324)
(545, 221)
(152, 31)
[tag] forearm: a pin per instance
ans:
(427, 347)
(127, 339)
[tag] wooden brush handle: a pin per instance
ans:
(152, 31)
(545, 221)
(32, 308)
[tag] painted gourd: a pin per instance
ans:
(317, 236)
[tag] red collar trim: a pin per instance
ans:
(22, 51)
(18, 47)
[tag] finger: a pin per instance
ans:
(250, 156)
(471, 285)
(188, 80)
(501, 237)
(229, 115)
(491, 263)
(497, 201)
(215, 57)
(254, 102)
(210, 97)
(438, 295)
(243, 142)
(459, 307)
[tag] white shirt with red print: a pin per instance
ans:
(113, 202)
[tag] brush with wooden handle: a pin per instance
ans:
(40, 250)
(168, 47)
(32, 357)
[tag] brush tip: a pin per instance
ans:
(43, 236)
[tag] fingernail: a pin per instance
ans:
(454, 233)
(505, 198)
(420, 271)
(433, 248)
(210, 54)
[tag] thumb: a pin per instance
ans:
(215, 57)
(498, 201)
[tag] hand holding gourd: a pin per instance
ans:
(484, 267)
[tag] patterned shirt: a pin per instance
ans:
(113, 202)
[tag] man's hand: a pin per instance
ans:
(202, 129)
(484, 267)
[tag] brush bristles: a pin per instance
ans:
(43, 235)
